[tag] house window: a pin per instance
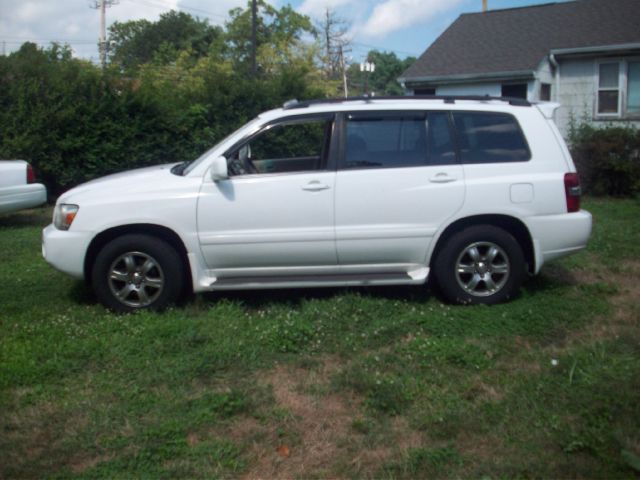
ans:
(545, 92)
(514, 90)
(633, 88)
(424, 91)
(609, 89)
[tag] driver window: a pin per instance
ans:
(288, 147)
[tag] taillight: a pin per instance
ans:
(572, 191)
(31, 176)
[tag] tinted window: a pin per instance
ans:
(287, 147)
(489, 138)
(385, 141)
(440, 145)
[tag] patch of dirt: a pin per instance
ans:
(81, 464)
(405, 437)
(318, 425)
(33, 440)
(625, 316)
(317, 437)
(483, 392)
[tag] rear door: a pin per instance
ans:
(398, 181)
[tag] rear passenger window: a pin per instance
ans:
(490, 138)
(382, 141)
(403, 140)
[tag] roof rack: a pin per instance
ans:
(518, 102)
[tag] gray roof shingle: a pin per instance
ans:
(518, 39)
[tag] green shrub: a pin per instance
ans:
(74, 122)
(607, 159)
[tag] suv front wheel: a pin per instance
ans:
(480, 265)
(136, 272)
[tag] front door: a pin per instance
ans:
(275, 213)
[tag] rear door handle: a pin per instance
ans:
(315, 186)
(442, 177)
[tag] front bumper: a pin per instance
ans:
(65, 250)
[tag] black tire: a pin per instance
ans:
(146, 271)
(472, 277)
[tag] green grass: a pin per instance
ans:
(401, 385)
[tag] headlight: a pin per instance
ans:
(63, 215)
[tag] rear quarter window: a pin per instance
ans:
(489, 137)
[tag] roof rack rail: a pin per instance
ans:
(518, 102)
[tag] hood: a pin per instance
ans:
(131, 181)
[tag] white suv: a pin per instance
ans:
(480, 191)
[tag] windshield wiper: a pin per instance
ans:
(180, 168)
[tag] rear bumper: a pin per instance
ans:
(556, 236)
(19, 197)
(65, 250)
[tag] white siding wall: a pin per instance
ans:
(577, 95)
(492, 89)
(544, 75)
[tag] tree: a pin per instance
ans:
(333, 38)
(276, 30)
(137, 42)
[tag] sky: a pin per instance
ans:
(405, 27)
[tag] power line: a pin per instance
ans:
(43, 41)
(159, 4)
(9, 38)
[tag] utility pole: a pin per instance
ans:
(254, 26)
(341, 52)
(485, 5)
(328, 43)
(103, 33)
(102, 43)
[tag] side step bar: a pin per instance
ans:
(302, 281)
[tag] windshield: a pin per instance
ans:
(206, 154)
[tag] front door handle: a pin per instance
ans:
(442, 177)
(315, 186)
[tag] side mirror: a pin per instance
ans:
(219, 169)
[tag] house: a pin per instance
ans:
(583, 54)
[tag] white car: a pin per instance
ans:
(18, 187)
(479, 191)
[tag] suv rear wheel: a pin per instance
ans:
(480, 265)
(136, 272)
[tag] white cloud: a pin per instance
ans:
(392, 15)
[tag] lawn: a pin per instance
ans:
(376, 382)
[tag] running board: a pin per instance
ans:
(306, 281)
